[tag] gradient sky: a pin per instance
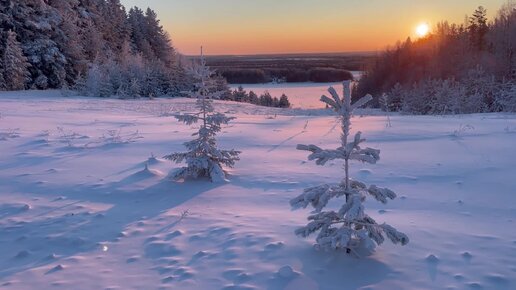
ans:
(292, 26)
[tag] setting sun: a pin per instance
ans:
(422, 30)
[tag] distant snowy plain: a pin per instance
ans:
(84, 205)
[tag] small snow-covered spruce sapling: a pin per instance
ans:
(203, 158)
(350, 228)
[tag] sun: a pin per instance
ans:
(422, 30)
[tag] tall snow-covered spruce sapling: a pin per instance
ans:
(350, 228)
(203, 158)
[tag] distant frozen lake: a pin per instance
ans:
(300, 95)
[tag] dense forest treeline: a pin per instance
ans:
(97, 49)
(457, 68)
(242, 96)
(289, 75)
(93, 45)
(265, 99)
(289, 68)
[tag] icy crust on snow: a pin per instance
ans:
(107, 215)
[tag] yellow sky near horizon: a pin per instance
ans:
(300, 26)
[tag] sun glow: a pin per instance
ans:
(422, 30)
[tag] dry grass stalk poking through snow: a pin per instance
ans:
(9, 134)
(350, 228)
(111, 137)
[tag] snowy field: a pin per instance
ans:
(80, 210)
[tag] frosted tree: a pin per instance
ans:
(505, 99)
(15, 65)
(2, 80)
(203, 158)
(61, 39)
(384, 104)
(349, 228)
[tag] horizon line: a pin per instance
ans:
(359, 52)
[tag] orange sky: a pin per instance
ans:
(292, 26)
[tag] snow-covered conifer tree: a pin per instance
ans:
(15, 64)
(203, 157)
(350, 228)
(2, 80)
(505, 99)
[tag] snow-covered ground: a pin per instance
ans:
(79, 209)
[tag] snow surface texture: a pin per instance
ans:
(105, 216)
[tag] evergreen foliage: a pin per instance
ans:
(14, 64)
(350, 228)
(477, 28)
(265, 99)
(64, 41)
(474, 59)
(204, 158)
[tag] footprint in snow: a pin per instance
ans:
(50, 257)
(22, 254)
(133, 259)
(432, 259)
(151, 239)
(229, 243)
(363, 173)
(174, 234)
(230, 254)
(274, 246)
(219, 231)
(160, 249)
(164, 270)
(55, 269)
(467, 255)
(183, 274)
(237, 276)
(286, 272)
(496, 279)
(432, 262)
(239, 287)
(196, 237)
(200, 255)
(475, 285)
